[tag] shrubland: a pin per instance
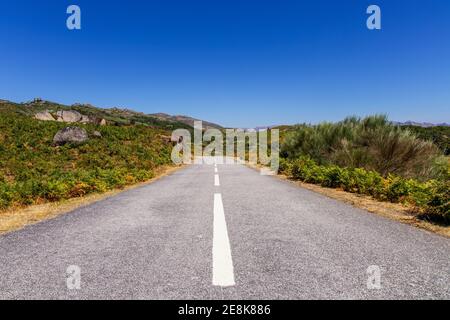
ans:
(439, 135)
(374, 157)
(369, 156)
(430, 199)
(34, 170)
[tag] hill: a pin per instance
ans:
(33, 170)
(186, 120)
(112, 116)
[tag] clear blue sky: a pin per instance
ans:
(239, 63)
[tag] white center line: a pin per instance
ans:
(223, 273)
(215, 170)
(216, 180)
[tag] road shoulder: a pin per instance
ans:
(394, 211)
(17, 218)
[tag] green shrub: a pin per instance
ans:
(430, 198)
(284, 166)
(396, 188)
(372, 143)
(437, 207)
(6, 195)
(333, 177)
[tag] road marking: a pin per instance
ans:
(223, 273)
(216, 180)
(215, 170)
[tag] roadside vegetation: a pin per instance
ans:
(440, 135)
(372, 156)
(369, 156)
(34, 170)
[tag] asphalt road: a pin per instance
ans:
(240, 235)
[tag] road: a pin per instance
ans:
(222, 232)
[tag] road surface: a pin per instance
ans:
(222, 232)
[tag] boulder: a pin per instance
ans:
(97, 134)
(69, 116)
(85, 119)
(70, 135)
(103, 122)
(38, 101)
(44, 116)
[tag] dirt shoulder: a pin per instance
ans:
(16, 218)
(395, 211)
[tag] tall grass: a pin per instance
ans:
(372, 143)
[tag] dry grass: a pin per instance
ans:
(19, 217)
(394, 211)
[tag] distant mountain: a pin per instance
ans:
(421, 124)
(187, 120)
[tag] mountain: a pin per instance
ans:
(421, 124)
(187, 120)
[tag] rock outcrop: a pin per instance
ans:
(70, 135)
(44, 116)
(37, 101)
(85, 119)
(69, 116)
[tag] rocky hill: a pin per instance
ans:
(68, 154)
(86, 113)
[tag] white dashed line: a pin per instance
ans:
(215, 170)
(216, 180)
(223, 273)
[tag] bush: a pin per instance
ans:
(396, 188)
(6, 195)
(437, 207)
(333, 177)
(430, 198)
(372, 143)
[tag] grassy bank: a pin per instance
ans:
(33, 170)
(429, 199)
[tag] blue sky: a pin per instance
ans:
(239, 63)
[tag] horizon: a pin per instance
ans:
(234, 64)
(405, 122)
